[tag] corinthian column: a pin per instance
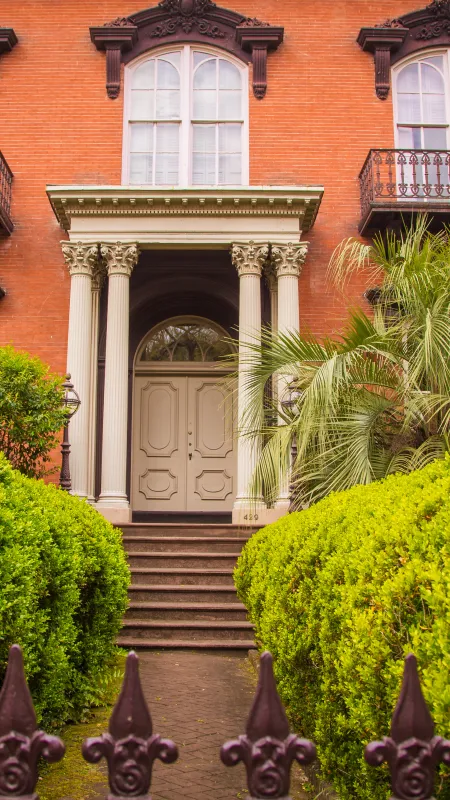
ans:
(96, 287)
(81, 260)
(120, 260)
(287, 261)
(249, 260)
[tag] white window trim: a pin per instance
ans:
(416, 57)
(186, 97)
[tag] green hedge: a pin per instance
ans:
(340, 593)
(63, 591)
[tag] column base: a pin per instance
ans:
(282, 505)
(114, 510)
(248, 512)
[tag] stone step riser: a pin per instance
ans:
(209, 531)
(192, 634)
(161, 577)
(186, 615)
(229, 645)
(158, 594)
(182, 561)
(187, 545)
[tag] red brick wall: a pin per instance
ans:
(316, 125)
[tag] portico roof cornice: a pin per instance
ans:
(301, 202)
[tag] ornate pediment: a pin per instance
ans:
(200, 21)
(396, 38)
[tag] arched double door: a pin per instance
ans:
(184, 453)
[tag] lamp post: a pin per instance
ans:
(292, 396)
(72, 403)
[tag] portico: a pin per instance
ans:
(116, 230)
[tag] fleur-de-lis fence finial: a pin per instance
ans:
(21, 744)
(268, 749)
(130, 747)
(412, 751)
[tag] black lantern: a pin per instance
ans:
(71, 401)
(291, 397)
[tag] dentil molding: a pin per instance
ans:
(249, 259)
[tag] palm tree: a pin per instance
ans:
(373, 401)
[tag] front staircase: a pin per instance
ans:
(182, 593)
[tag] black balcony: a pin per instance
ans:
(6, 176)
(396, 185)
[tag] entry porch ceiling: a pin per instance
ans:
(212, 217)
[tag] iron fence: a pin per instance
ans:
(6, 177)
(267, 749)
(404, 175)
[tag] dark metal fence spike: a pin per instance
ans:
(268, 749)
(21, 745)
(412, 752)
(130, 747)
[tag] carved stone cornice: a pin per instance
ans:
(8, 40)
(81, 259)
(115, 38)
(249, 259)
(288, 259)
(119, 258)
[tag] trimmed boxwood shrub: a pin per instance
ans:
(63, 591)
(340, 593)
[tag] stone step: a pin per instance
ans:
(180, 595)
(182, 644)
(182, 577)
(183, 560)
(169, 544)
(186, 630)
(187, 611)
(185, 529)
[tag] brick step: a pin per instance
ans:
(186, 529)
(180, 644)
(186, 629)
(187, 611)
(168, 544)
(183, 560)
(182, 577)
(180, 595)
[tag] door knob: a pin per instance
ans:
(190, 456)
(189, 433)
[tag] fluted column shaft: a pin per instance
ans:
(81, 260)
(249, 261)
(120, 260)
(97, 282)
(287, 261)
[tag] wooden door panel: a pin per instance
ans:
(160, 444)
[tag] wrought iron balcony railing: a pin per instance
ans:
(6, 176)
(396, 183)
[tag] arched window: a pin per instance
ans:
(177, 340)
(186, 120)
(422, 103)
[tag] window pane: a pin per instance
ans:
(167, 105)
(405, 138)
(168, 76)
(142, 105)
(167, 138)
(437, 61)
(229, 76)
(141, 168)
(435, 138)
(409, 108)
(230, 138)
(199, 57)
(206, 76)
(203, 169)
(144, 76)
(205, 105)
(230, 170)
(141, 138)
(432, 80)
(230, 105)
(204, 139)
(167, 146)
(433, 108)
(408, 79)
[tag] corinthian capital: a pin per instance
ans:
(81, 259)
(120, 258)
(249, 259)
(288, 259)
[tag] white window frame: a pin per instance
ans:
(415, 58)
(186, 107)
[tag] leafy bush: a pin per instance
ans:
(31, 410)
(64, 580)
(340, 593)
